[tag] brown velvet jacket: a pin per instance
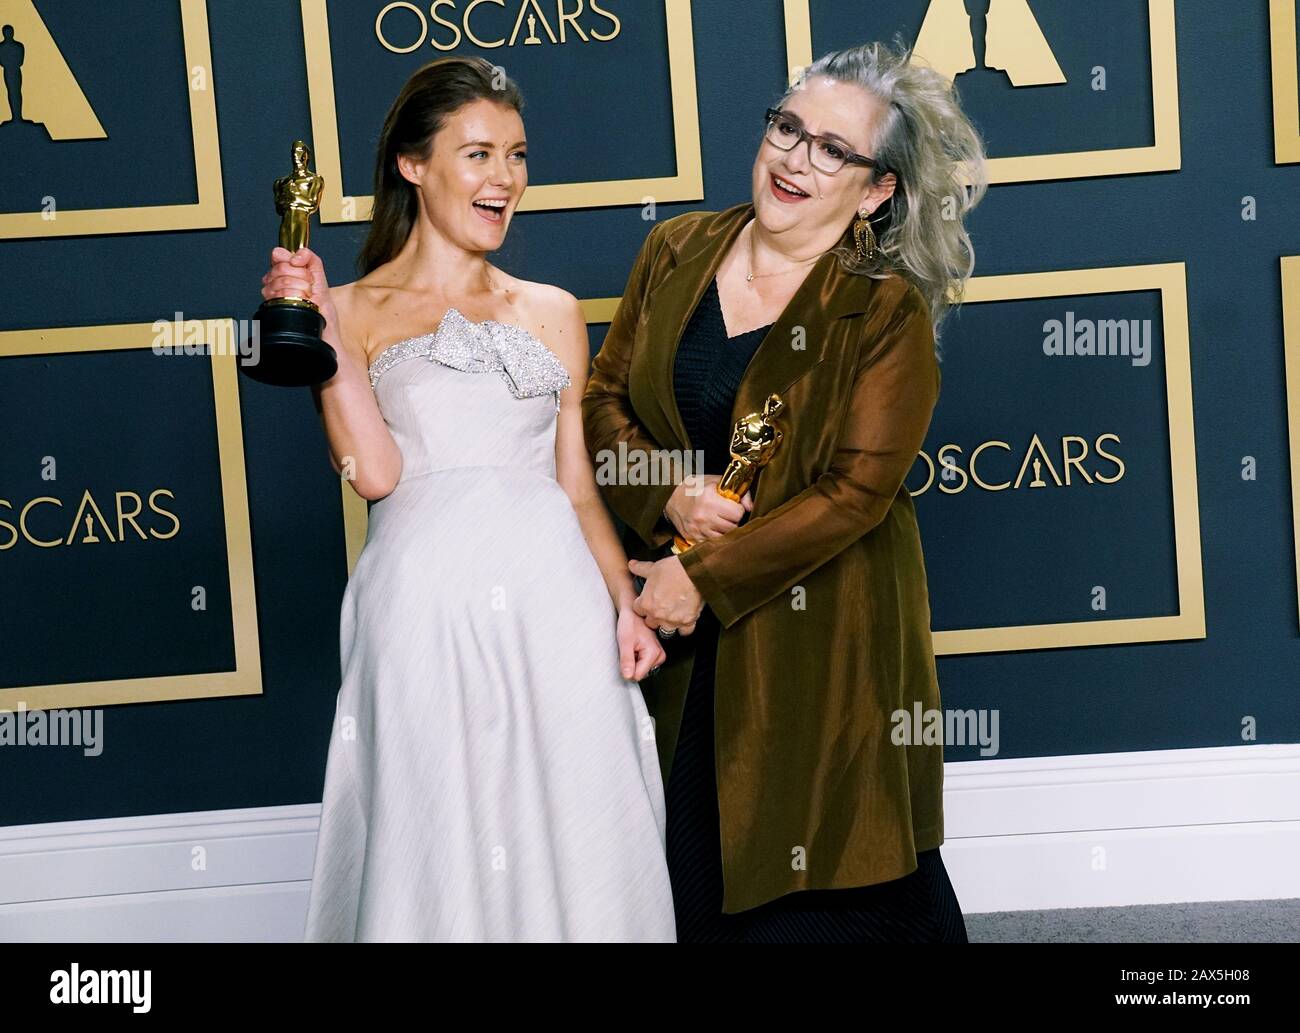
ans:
(821, 591)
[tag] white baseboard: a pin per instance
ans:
(237, 875)
(1114, 829)
(1050, 832)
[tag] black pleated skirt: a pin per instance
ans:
(921, 907)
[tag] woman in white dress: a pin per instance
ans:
(492, 773)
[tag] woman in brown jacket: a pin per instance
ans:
(802, 805)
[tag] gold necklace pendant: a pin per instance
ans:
(749, 278)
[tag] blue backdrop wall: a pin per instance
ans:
(1003, 564)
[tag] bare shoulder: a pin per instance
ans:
(365, 306)
(554, 316)
(344, 295)
(351, 318)
(351, 302)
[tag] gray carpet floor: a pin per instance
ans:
(1227, 921)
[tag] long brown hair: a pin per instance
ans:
(431, 95)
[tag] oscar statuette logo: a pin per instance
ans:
(754, 441)
(957, 37)
(291, 352)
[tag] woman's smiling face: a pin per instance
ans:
(790, 192)
(475, 174)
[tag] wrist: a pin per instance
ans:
(625, 596)
(671, 503)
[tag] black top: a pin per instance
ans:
(706, 375)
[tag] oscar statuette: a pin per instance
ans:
(754, 441)
(291, 352)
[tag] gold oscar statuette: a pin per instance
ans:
(754, 441)
(291, 352)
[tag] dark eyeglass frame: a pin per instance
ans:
(850, 157)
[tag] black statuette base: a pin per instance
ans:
(292, 353)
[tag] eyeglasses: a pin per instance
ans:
(785, 131)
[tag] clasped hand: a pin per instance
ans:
(670, 599)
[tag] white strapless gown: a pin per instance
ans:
(491, 774)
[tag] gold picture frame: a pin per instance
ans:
(208, 212)
(246, 678)
(1286, 82)
(1164, 155)
(686, 185)
(1290, 267)
(1170, 279)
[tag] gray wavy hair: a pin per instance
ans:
(929, 144)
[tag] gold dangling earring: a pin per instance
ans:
(864, 237)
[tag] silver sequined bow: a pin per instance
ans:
(527, 365)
